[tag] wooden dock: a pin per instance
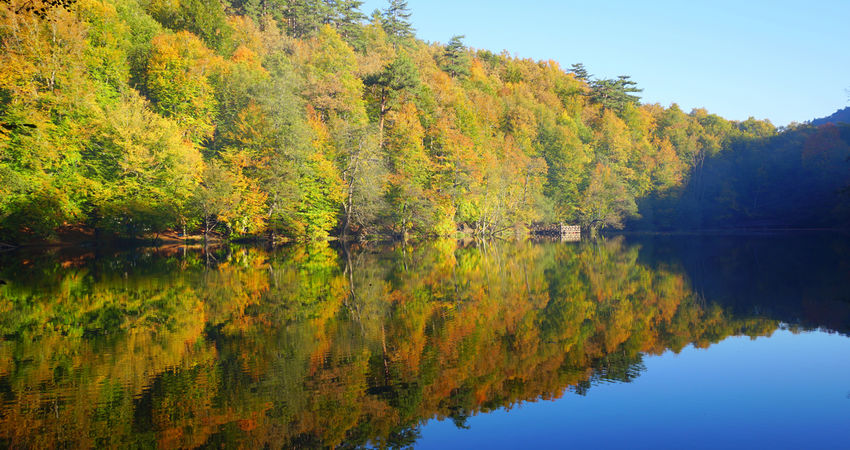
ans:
(567, 233)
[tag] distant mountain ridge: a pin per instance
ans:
(840, 116)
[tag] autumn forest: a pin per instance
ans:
(305, 119)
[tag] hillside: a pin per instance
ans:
(796, 179)
(840, 116)
(306, 119)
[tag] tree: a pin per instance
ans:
(49, 111)
(396, 21)
(455, 59)
(364, 175)
(205, 19)
(240, 120)
(303, 18)
(320, 185)
(216, 198)
(567, 159)
(410, 166)
(606, 201)
(580, 72)
(178, 84)
(333, 85)
(347, 18)
(147, 170)
(615, 94)
(387, 88)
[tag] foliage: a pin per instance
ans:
(301, 118)
(606, 201)
(40, 8)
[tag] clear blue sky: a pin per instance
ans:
(780, 60)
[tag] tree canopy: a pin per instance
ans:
(301, 118)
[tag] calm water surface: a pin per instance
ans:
(623, 342)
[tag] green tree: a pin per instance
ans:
(580, 72)
(333, 86)
(455, 59)
(347, 18)
(206, 19)
(364, 175)
(216, 198)
(606, 201)
(147, 170)
(178, 83)
(396, 21)
(390, 87)
(615, 94)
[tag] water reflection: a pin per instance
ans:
(323, 346)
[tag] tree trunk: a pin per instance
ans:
(382, 114)
(348, 207)
(349, 204)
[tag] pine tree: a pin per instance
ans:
(455, 58)
(396, 20)
(580, 72)
(386, 86)
(615, 94)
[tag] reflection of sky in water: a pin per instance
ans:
(784, 391)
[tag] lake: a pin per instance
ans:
(628, 341)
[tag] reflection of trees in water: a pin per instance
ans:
(310, 346)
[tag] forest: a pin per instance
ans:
(310, 119)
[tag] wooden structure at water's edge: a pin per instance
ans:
(568, 233)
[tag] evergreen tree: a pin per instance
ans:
(347, 17)
(387, 86)
(580, 72)
(615, 94)
(396, 21)
(455, 58)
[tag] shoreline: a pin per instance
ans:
(172, 239)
